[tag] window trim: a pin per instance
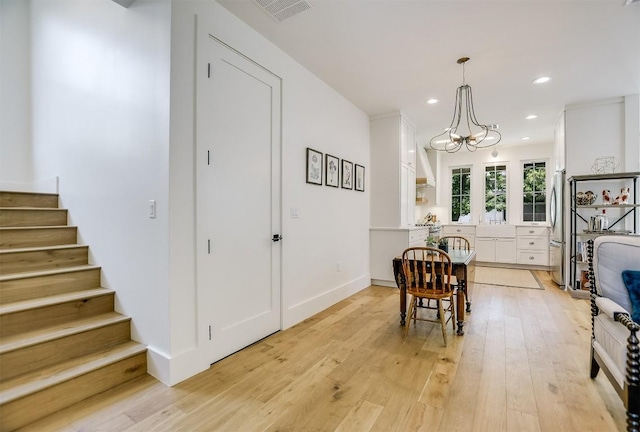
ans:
(547, 185)
(454, 167)
(506, 193)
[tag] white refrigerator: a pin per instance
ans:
(556, 218)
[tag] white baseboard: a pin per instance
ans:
(48, 185)
(307, 308)
(173, 370)
(386, 283)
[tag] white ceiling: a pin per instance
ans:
(389, 55)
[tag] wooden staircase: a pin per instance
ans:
(60, 339)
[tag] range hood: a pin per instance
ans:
(424, 173)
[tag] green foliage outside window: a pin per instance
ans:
(495, 193)
(460, 193)
(534, 192)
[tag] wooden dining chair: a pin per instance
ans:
(427, 274)
(457, 242)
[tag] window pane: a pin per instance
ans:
(495, 198)
(460, 194)
(534, 198)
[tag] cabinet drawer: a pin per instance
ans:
(540, 258)
(459, 230)
(533, 243)
(531, 231)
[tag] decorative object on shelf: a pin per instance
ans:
(606, 197)
(359, 178)
(457, 134)
(347, 174)
(332, 173)
(585, 198)
(605, 165)
(314, 167)
(623, 198)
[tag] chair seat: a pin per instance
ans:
(611, 345)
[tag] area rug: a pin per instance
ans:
(516, 278)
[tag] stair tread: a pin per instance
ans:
(34, 208)
(36, 227)
(42, 248)
(26, 339)
(40, 302)
(38, 273)
(39, 380)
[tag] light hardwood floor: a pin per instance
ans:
(523, 365)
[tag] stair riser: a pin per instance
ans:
(22, 199)
(36, 237)
(16, 262)
(25, 217)
(21, 412)
(35, 319)
(48, 353)
(42, 286)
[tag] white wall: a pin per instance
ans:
(15, 92)
(100, 76)
(111, 92)
(513, 157)
(333, 223)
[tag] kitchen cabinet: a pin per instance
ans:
(498, 250)
(623, 218)
(393, 162)
(496, 243)
(532, 243)
(388, 243)
(466, 231)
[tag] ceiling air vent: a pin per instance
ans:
(280, 10)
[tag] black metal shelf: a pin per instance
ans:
(628, 209)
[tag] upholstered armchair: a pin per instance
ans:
(614, 276)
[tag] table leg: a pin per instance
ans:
(403, 306)
(460, 307)
(466, 297)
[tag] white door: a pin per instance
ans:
(238, 199)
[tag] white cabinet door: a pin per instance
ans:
(407, 144)
(407, 196)
(404, 195)
(485, 249)
(506, 250)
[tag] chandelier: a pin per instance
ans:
(465, 128)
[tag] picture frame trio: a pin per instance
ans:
(337, 172)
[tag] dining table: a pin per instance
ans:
(463, 268)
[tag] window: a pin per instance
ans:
(534, 189)
(461, 194)
(495, 194)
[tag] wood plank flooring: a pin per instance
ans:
(523, 365)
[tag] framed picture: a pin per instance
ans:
(347, 174)
(332, 171)
(314, 167)
(359, 178)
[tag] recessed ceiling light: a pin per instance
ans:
(541, 80)
(432, 101)
(531, 117)
(526, 138)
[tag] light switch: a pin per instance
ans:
(294, 212)
(152, 209)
